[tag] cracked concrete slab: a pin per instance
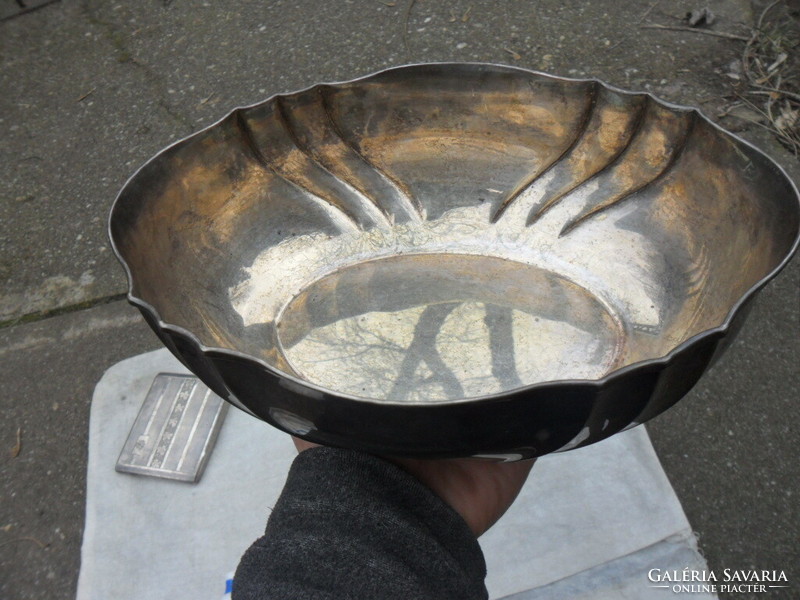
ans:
(49, 370)
(74, 122)
(93, 89)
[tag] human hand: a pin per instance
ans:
(480, 491)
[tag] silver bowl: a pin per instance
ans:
(454, 259)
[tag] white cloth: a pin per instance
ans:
(588, 523)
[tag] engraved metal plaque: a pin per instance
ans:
(175, 431)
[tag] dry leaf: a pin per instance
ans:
(18, 446)
(788, 119)
(743, 112)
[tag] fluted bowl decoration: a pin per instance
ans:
(454, 259)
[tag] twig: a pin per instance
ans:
(764, 13)
(757, 54)
(722, 34)
(777, 91)
(405, 26)
(640, 19)
(25, 539)
(18, 446)
(754, 37)
(769, 112)
(648, 11)
(86, 95)
(727, 110)
(752, 106)
(788, 139)
(752, 121)
(514, 55)
(27, 10)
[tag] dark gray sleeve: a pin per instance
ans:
(350, 525)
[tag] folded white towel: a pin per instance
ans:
(589, 523)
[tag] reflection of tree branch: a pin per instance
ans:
(499, 321)
(423, 348)
(389, 344)
(359, 357)
(340, 357)
(352, 345)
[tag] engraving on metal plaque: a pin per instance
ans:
(175, 431)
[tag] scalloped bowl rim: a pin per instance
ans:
(660, 362)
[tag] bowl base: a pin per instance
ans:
(428, 327)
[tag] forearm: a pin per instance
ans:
(349, 525)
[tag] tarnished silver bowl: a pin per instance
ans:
(454, 259)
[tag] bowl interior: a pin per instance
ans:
(441, 232)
